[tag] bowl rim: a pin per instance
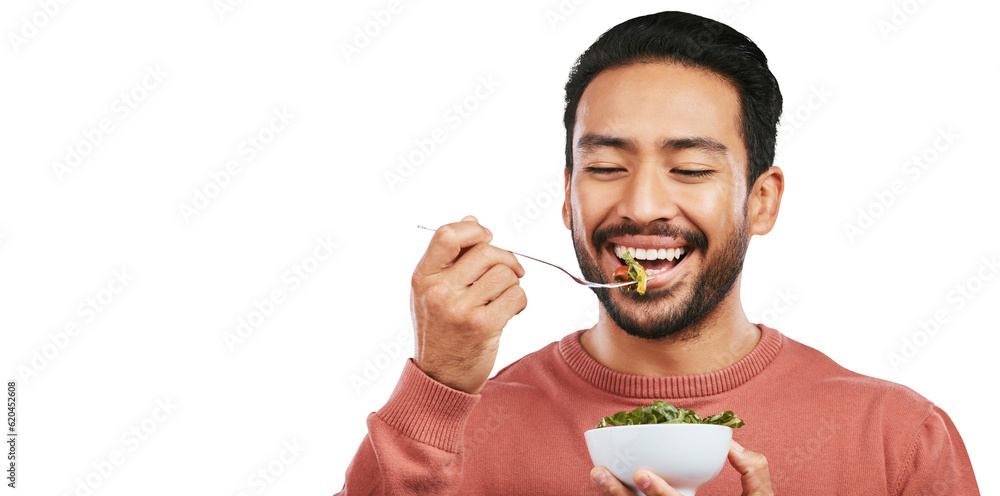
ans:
(644, 426)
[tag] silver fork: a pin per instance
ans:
(584, 282)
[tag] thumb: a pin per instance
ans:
(754, 474)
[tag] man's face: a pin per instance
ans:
(659, 166)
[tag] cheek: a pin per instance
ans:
(702, 205)
(591, 206)
(713, 212)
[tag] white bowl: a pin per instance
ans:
(685, 455)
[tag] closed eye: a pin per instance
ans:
(696, 173)
(603, 170)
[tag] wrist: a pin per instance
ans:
(459, 380)
(428, 411)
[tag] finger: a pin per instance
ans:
(473, 264)
(607, 483)
(652, 485)
(490, 285)
(754, 474)
(511, 302)
(448, 242)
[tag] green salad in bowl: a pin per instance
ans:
(661, 412)
(674, 443)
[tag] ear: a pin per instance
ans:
(765, 200)
(567, 209)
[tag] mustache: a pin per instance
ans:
(694, 239)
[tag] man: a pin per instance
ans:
(670, 133)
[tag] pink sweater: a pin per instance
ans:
(824, 429)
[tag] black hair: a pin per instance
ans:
(695, 41)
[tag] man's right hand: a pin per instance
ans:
(755, 477)
(463, 293)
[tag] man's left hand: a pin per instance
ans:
(754, 477)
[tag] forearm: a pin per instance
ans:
(414, 443)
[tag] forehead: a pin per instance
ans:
(649, 102)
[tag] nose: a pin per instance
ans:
(648, 197)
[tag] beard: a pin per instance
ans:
(676, 311)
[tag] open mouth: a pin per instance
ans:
(653, 260)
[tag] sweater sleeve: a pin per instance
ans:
(937, 462)
(414, 442)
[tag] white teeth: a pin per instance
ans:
(649, 254)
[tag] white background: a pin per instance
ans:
(162, 337)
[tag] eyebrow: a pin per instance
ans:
(593, 141)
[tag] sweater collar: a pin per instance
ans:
(682, 386)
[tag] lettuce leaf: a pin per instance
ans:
(661, 412)
(636, 272)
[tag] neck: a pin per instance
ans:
(721, 339)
